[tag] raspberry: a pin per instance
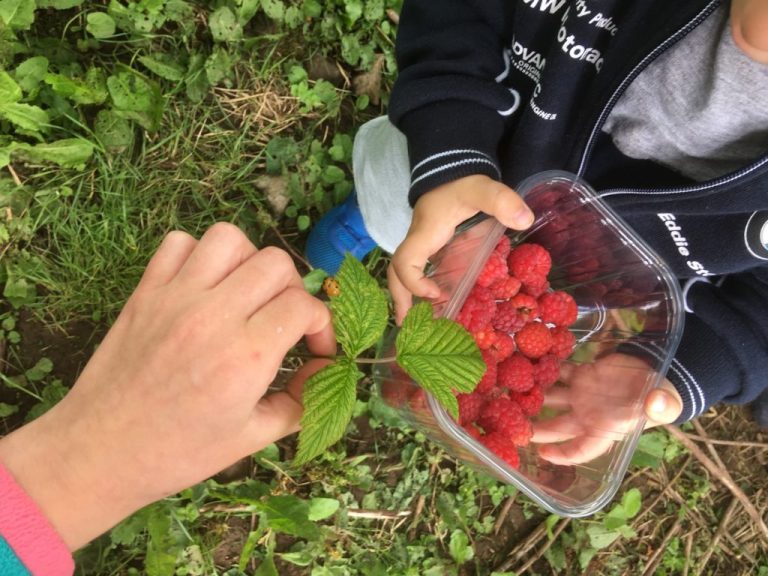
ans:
(529, 263)
(531, 401)
(419, 401)
(503, 346)
(485, 337)
(473, 431)
(546, 371)
(503, 247)
(470, 406)
(512, 315)
(488, 382)
(505, 288)
(503, 448)
(478, 309)
(536, 288)
(495, 269)
(515, 373)
(563, 342)
(505, 417)
(534, 339)
(558, 308)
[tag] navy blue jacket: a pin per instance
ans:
(510, 88)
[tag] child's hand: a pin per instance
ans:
(599, 408)
(177, 390)
(435, 218)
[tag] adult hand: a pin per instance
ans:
(598, 406)
(435, 218)
(177, 389)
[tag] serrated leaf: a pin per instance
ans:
(360, 311)
(25, 116)
(328, 398)
(18, 14)
(77, 90)
(167, 70)
(100, 25)
(439, 354)
(10, 91)
(68, 152)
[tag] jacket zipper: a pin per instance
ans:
(655, 53)
(723, 180)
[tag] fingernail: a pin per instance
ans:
(523, 218)
(659, 404)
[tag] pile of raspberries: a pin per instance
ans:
(521, 327)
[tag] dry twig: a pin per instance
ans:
(718, 534)
(722, 475)
(656, 558)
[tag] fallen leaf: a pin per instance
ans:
(369, 83)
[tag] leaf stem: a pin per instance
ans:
(303, 356)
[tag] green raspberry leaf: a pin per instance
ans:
(329, 397)
(439, 354)
(360, 311)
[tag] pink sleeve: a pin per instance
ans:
(29, 533)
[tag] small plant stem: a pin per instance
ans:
(385, 360)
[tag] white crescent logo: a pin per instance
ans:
(756, 235)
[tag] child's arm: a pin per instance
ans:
(723, 356)
(453, 110)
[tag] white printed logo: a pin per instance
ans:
(756, 235)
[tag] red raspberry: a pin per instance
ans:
(503, 247)
(546, 371)
(470, 406)
(558, 308)
(478, 310)
(529, 263)
(488, 382)
(536, 288)
(531, 401)
(505, 417)
(515, 313)
(505, 288)
(534, 339)
(515, 373)
(419, 401)
(473, 431)
(503, 347)
(485, 337)
(495, 269)
(563, 342)
(503, 448)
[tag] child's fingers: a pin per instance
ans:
(424, 239)
(401, 297)
(662, 406)
(499, 200)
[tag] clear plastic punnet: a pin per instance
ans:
(628, 324)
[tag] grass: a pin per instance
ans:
(404, 506)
